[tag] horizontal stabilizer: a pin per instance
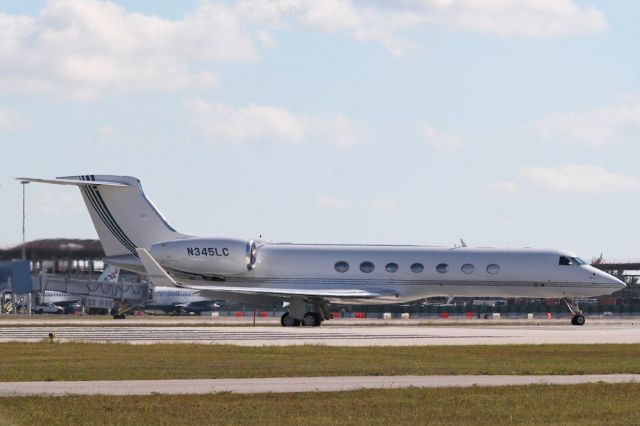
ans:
(78, 182)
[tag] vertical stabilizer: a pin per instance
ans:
(123, 216)
(110, 274)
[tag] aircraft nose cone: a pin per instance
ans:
(614, 283)
(618, 283)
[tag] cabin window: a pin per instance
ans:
(468, 268)
(391, 267)
(342, 266)
(493, 268)
(442, 268)
(367, 267)
(417, 268)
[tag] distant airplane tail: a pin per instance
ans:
(110, 274)
(123, 216)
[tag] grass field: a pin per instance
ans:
(593, 404)
(93, 361)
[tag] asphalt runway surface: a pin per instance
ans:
(290, 384)
(331, 335)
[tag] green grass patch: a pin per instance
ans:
(590, 404)
(95, 361)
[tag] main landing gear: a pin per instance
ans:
(298, 314)
(310, 319)
(288, 321)
(577, 318)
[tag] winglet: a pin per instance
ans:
(156, 274)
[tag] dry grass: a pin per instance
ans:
(593, 404)
(94, 361)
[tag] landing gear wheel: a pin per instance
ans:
(578, 319)
(311, 319)
(287, 321)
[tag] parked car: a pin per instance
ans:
(48, 308)
(72, 308)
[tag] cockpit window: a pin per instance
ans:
(565, 260)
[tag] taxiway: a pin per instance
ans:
(331, 335)
(291, 384)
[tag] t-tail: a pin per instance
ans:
(123, 216)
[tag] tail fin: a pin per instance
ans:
(110, 274)
(122, 215)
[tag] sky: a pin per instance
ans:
(507, 123)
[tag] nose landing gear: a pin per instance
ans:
(578, 318)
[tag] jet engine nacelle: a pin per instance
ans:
(206, 256)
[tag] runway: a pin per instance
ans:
(290, 384)
(332, 335)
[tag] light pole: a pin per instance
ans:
(24, 249)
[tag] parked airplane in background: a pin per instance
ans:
(135, 236)
(64, 299)
(175, 300)
(178, 300)
(60, 298)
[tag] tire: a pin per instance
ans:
(311, 319)
(287, 321)
(578, 320)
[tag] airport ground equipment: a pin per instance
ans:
(48, 308)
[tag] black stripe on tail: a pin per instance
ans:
(97, 202)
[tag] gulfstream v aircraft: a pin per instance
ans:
(135, 236)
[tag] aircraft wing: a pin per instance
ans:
(159, 276)
(291, 292)
(155, 272)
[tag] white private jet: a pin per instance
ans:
(135, 236)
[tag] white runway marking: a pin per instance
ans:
(333, 336)
(292, 384)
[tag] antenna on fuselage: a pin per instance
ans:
(462, 243)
